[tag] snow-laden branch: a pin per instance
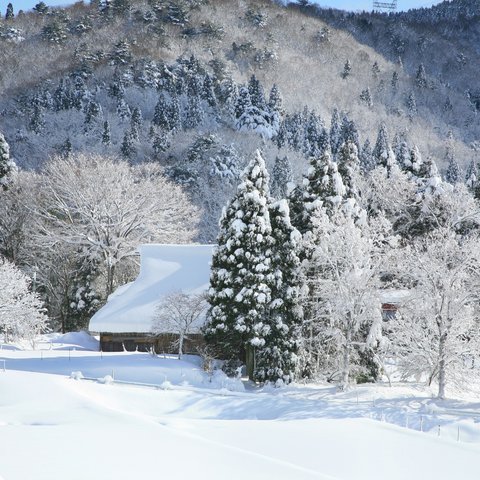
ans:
(105, 208)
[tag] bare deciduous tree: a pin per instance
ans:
(346, 263)
(436, 329)
(105, 208)
(179, 313)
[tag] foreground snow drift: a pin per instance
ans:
(55, 427)
(78, 430)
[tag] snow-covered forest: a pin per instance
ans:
(131, 122)
(297, 285)
(328, 159)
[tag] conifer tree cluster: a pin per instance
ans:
(254, 292)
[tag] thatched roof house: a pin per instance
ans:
(127, 318)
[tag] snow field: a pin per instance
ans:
(55, 427)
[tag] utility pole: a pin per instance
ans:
(385, 6)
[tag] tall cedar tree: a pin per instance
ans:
(348, 166)
(5, 162)
(242, 280)
(281, 176)
(277, 359)
(9, 14)
(472, 179)
(161, 117)
(322, 186)
(106, 135)
(335, 129)
(380, 151)
(366, 158)
(452, 174)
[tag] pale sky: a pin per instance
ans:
(341, 4)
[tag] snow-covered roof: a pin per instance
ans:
(164, 269)
(393, 296)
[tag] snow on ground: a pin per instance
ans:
(55, 427)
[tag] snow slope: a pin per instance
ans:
(78, 430)
(192, 426)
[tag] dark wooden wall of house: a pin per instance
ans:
(165, 343)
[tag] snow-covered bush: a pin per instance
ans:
(21, 311)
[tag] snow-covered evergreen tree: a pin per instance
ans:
(275, 100)
(228, 94)
(121, 53)
(281, 177)
(257, 94)
(174, 114)
(106, 134)
(127, 148)
(296, 206)
(348, 133)
(251, 110)
(277, 360)
(380, 152)
(335, 132)
(411, 104)
(160, 142)
(316, 139)
(6, 164)
(401, 151)
(394, 82)
(452, 174)
(208, 92)
(366, 97)
(92, 111)
(194, 114)
(37, 122)
(472, 179)
(116, 89)
(323, 185)
(348, 169)
(367, 162)
(161, 117)
(413, 164)
(226, 164)
(135, 123)
(347, 70)
(123, 110)
(421, 77)
(275, 106)
(242, 280)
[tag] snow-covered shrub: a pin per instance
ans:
(21, 311)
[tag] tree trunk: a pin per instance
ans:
(346, 361)
(180, 346)
(346, 366)
(110, 277)
(250, 361)
(442, 366)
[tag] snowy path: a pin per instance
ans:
(52, 427)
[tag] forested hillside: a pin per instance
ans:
(131, 121)
(65, 72)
